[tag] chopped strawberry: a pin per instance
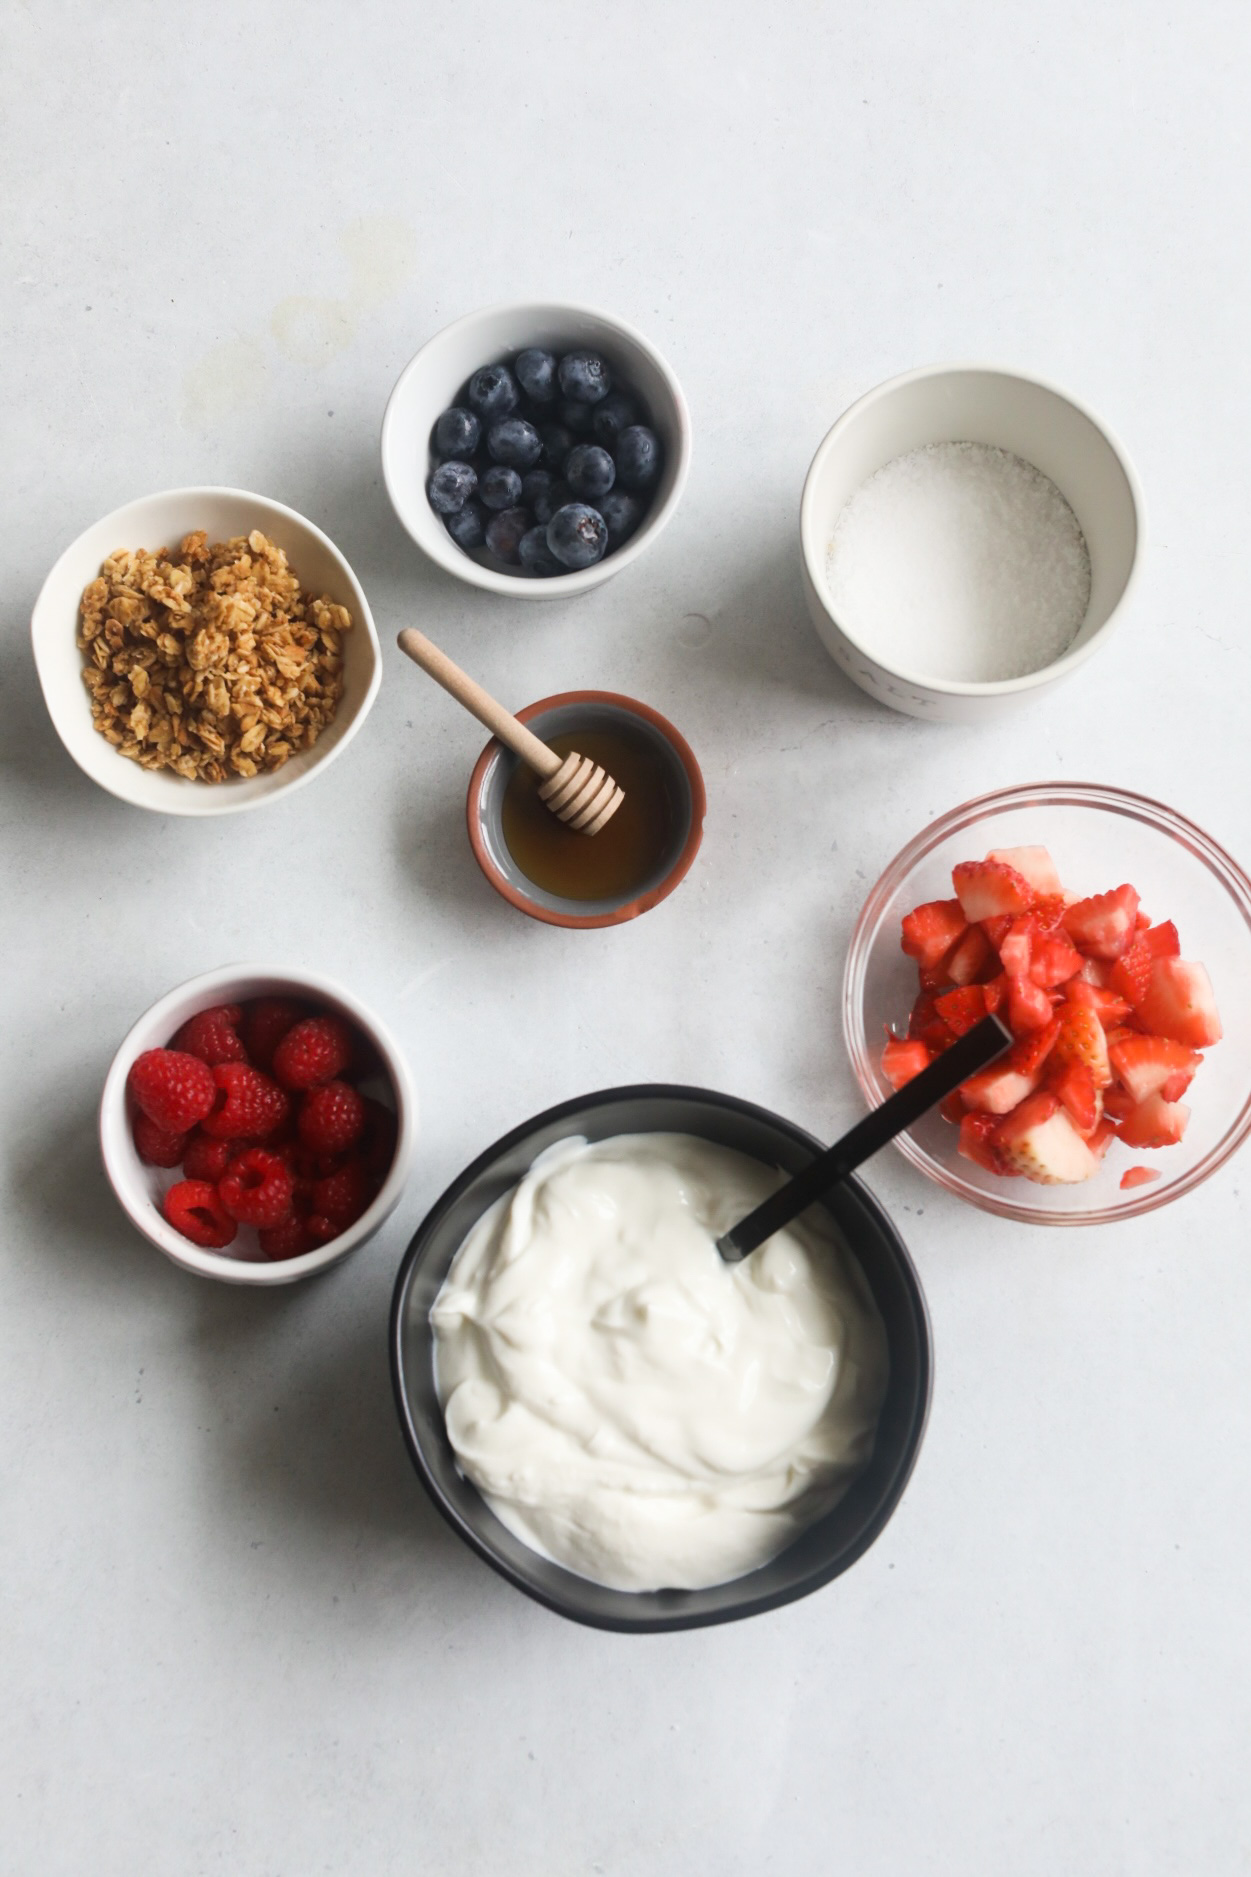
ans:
(1138, 1176)
(923, 1013)
(1049, 910)
(1131, 974)
(976, 1144)
(1055, 959)
(926, 1026)
(1081, 1039)
(1074, 1087)
(1151, 1065)
(931, 930)
(997, 1090)
(902, 1059)
(961, 1009)
(1029, 1007)
(970, 956)
(951, 1108)
(1107, 1006)
(1040, 1141)
(1155, 1123)
(1106, 1015)
(1179, 1003)
(1032, 863)
(996, 991)
(1028, 1054)
(1103, 926)
(1017, 948)
(986, 888)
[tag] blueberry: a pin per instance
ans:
(535, 371)
(451, 486)
(492, 393)
(584, 377)
(535, 555)
(622, 514)
(504, 532)
(501, 487)
(467, 526)
(557, 443)
(515, 442)
(577, 536)
(543, 493)
(575, 416)
(456, 433)
(590, 472)
(638, 457)
(611, 416)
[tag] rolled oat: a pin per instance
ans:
(212, 664)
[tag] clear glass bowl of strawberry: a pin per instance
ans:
(1186, 892)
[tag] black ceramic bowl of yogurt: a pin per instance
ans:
(825, 1548)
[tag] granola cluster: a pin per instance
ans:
(211, 663)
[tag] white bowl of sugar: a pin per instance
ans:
(968, 539)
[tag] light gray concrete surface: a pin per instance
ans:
(235, 1637)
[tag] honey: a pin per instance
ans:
(634, 846)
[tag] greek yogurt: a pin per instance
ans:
(627, 1403)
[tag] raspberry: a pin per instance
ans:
(321, 1229)
(314, 1051)
(331, 1118)
(173, 1089)
(256, 1188)
(302, 1162)
(247, 1105)
(212, 1035)
(378, 1139)
(344, 1195)
(289, 1240)
(194, 1209)
(286, 1130)
(266, 1021)
(205, 1158)
(157, 1145)
(301, 1159)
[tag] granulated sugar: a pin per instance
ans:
(960, 561)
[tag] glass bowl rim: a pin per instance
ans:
(1142, 808)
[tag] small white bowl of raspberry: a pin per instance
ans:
(258, 1125)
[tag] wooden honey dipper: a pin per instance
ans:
(576, 790)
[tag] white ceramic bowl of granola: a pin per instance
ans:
(139, 1187)
(162, 521)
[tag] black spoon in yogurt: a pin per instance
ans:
(975, 1049)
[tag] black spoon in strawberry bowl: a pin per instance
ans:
(974, 1050)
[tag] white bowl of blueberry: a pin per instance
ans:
(536, 450)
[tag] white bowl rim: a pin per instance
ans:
(297, 780)
(561, 586)
(197, 1258)
(997, 687)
